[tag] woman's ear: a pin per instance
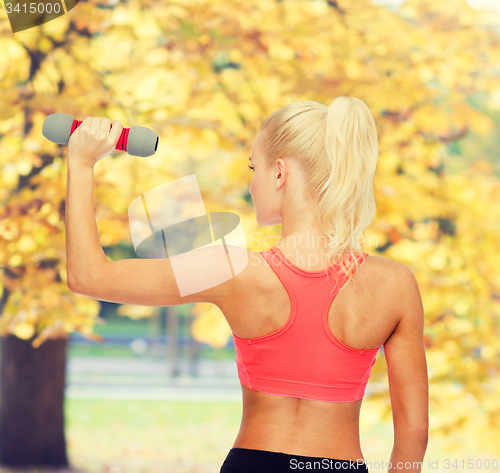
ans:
(280, 164)
(280, 172)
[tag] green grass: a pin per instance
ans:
(124, 351)
(120, 325)
(150, 436)
(101, 349)
(208, 353)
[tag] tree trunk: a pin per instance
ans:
(194, 350)
(32, 382)
(173, 340)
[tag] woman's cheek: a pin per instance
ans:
(252, 186)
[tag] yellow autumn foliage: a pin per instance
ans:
(204, 79)
(210, 326)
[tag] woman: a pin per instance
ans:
(313, 173)
(308, 315)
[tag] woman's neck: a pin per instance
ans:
(309, 240)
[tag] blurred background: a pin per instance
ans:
(100, 387)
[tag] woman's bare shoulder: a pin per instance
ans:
(387, 267)
(387, 273)
(247, 277)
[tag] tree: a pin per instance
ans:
(204, 75)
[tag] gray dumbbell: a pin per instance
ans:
(136, 141)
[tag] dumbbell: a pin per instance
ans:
(136, 141)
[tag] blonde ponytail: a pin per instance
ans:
(337, 148)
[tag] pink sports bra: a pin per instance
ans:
(304, 359)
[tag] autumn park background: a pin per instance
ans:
(204, 74)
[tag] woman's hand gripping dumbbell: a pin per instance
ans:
(136, 141)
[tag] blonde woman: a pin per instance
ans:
(310, 314)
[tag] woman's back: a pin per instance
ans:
(363, 315)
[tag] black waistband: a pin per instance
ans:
(279, 459)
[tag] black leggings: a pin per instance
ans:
(245, 460)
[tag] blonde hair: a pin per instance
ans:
(336, 147)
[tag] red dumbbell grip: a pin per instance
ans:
(122, 141)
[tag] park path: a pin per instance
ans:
(136, 378)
